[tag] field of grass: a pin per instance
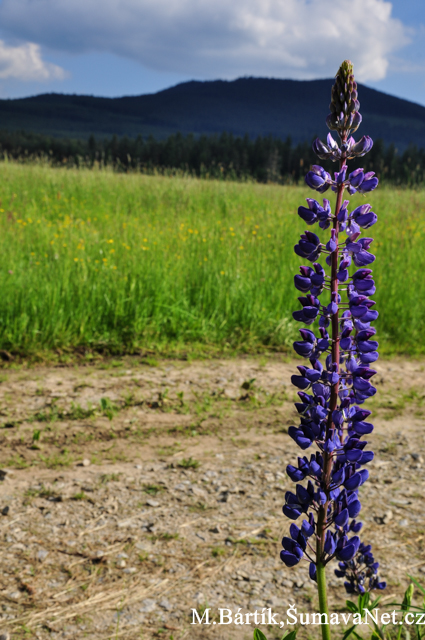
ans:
(122, 262)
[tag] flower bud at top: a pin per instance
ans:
(344, 107)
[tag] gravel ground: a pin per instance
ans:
(133, 491)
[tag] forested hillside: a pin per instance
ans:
(252, 106)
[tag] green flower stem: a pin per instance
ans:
(323, 599)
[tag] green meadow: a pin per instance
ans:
(120, 262)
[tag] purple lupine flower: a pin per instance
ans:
(316, 212)
(331, 394)
(361, 572)
(319, 179)
(310, 310)
(358, 149)
(309, 279)
(362, 182)
(351, 149)
(328, 150)
(309, 246)
(358, 181)
(364, 216)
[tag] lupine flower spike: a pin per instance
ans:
(331, 393)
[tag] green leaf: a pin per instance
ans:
(417, 584)
(348, 632)
(363, 601)
(351, 606)
(374, 603)
(289, 635)
(407, 600)
(259, 635)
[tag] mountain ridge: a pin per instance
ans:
(253, 106)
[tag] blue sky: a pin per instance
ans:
(129, 47)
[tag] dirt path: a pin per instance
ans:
(138, 492)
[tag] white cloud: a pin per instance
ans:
(24, 62)
(224, 38)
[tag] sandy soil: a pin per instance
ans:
(134, 490)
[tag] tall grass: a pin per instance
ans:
(129, 261)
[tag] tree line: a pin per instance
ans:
(221, 156)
